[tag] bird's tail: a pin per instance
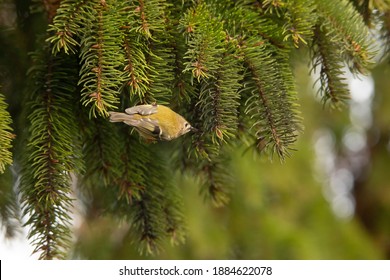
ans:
(118, 117)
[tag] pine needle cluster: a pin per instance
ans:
(6, 136)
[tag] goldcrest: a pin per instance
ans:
(153, 122)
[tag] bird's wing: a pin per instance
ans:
(147, 127)
(143, 110)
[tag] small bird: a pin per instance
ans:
(154, 122)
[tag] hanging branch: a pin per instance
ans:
(67, 25)
(271, 99)
(300, 21)
(101, 58)
(147, 51)
(327, 61)
(204, 35)
(136, 67)
(101, 150)
(132, 180)
(218, 88)
(157, 213)
(345, 25)
(52, 154)
(6, 136)
(218, 98)
(216, 182)
(297, 15)
(9, 210)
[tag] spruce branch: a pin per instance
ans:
(148, 51)
(300, 21)
(52, 154)
(136, 67)
(215, 110)
(216, 182)
(160, 73)
(345, 25)
(132, 180)
(218, 97)
(207, 162)
(158, 213)
(148, 17)
(174, 218)
(297, 16)
(145, 217)
(183, 89)
(101, 58)
(173, 223)
(66, 26)
(327, 58)
(273, 6)
(9, 211)
(204, 35)
(254, 21)
(271, 98)
(101, 150)
(6, 136)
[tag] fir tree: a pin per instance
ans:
(224, 65)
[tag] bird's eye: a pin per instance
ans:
(186, 124)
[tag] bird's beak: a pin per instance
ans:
(193, 129)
